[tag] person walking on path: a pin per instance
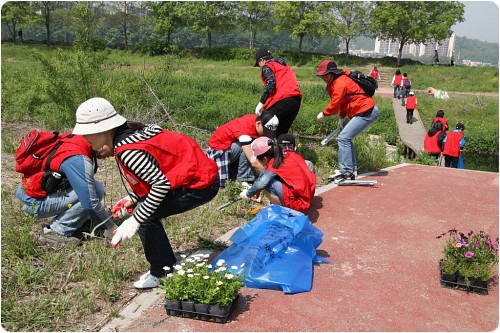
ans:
(396, 83)
(347, 98)
(411, 105)
(436, 57)
(374, 73)
(168, 173)
(76, 200)
(286, 180)
(405, 88)
(440, 118)
(229, 146)
(281, 95)
(454, 142)
(452, 59)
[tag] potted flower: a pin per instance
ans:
(200, 288)
(470, 257)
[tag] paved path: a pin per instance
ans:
(411, 135)
(384, 254)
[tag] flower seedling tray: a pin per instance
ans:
(202, 316)
(449, 283)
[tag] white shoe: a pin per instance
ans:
(108, 233)
(145, 275)
(337, 172)
(149, 281)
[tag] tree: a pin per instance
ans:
(45, 10)
(210, 17)
(124, 14)
(85, 25)
(257, 14)
(13, 14)
(415, 21)
(168, 18)
(349, 20)
(300, 18)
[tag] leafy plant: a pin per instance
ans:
(471, 256)
(194, 280)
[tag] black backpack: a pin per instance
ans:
(407, 84)
(367, 83)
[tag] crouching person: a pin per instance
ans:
(286, 180)
(168, 173)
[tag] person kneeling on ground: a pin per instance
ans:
(286, 180)
(287, 143)
(168, 173)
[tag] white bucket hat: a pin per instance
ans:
(96, 115)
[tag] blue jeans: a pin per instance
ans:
(397, 88)
(347, 155)
(245, 170)
(269, 182)
(64, 205)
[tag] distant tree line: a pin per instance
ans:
(312, 26)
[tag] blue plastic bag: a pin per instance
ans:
(278, 250)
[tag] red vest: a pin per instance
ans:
(228, 133)
(374, 73)
(298, 181)
(431, 144)
(411, 102)
(71, 146)
(180, 158)
(286, 84)
(398, 78)
(452, 144)
(442, 120)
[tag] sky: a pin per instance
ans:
(481, 21)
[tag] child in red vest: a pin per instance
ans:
(411, 105)
(453, 144)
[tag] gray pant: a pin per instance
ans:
(245, 171)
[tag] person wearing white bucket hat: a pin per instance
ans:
(168, 173)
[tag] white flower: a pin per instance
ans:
(183, 256)
(222, 269)
(219, 283)
(183, 263)
(234, 267)
(169, 275)
(220, 262)
(200, 264)
(190, 275)
(189, 260)
(229, 276)
(181, 272)
(177, 267)
(206, 277)
(209, 266)
(242, 265)
(190, 270)
(166, 268)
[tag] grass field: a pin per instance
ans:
(76, 289)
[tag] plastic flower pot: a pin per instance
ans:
(187, 308)
(173, 307)
(202, 311)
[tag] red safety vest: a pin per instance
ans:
(431, 144)
(411, 102)
(298, 181)
(180, 158)
(286, 84)
(443, 121)
(71, 146)
(452, 144)
(398, 78)
(374, 73)
(229, 132)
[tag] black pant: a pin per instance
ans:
(409, 116)
(450, 161)
(286, 110)
(154, 239)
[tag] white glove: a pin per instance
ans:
(320, 116)
(342, 123)
(259, 108)
(125, 231)
(244, 195)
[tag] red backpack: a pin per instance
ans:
(35, 148)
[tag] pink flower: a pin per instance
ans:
(459, 244)
(469, 254)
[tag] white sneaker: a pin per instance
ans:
(108, 233)
(149, 281)
(145, 275)
(337, 172)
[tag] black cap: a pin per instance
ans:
(286, 138)
(270, 123)
(460, 126)
(262, 52)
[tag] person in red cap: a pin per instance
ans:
(286, 180)
(281, 95)
(347, 100)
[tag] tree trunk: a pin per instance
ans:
(301, 38)
(47, 32)
(125, 34)
(209, 39)
(347, 47)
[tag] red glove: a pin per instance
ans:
(120, 211)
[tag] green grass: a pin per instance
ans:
(59, 290)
